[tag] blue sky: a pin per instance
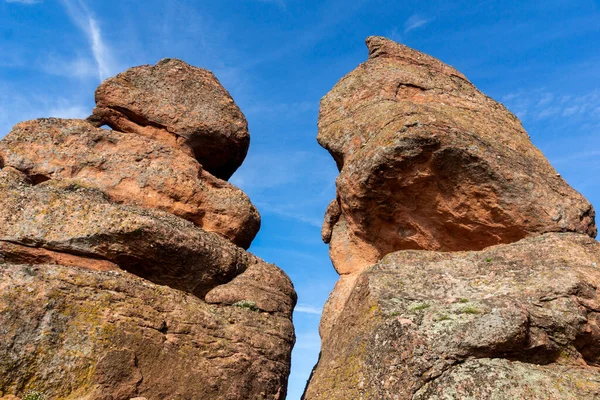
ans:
(279, 57)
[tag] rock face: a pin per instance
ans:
(131, 169)
(429, 162)
(499, 323)
(180, 105)
(433, 173)
(81, 334)
(120, 271)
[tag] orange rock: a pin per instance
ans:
(512, 321)
(63, 216)
(429, 162)
(180, 105)
(99, 335)
(131, 169)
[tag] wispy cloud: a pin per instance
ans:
(24, 1)
(83, 18)
(15, 107)
(276, 110)
(308, 309)
(80, 67)
(294, 214)
(543, 105)
(307, 341)
(416, 21)
(395, 35)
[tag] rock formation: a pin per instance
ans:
(120, 271)
(433, 173)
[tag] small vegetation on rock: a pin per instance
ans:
(442, 317)
(470, 310)
(250, 305)
(33, 395)
(489, 260)
(419, 306)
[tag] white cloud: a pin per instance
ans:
(541, 104)
(395, 35)
(307, 341)
(15, 108)
(289, 214)
(79, 67)
(82, 17)
(308, 309)
(24, 1)
(416, 21)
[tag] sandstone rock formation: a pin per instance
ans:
(504, 321)
(120, 271)
(178, 104)
(131, 169)
(433, 173)
(429, 162)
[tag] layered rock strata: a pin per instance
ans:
(121, 274)
(131, 169)
(433, 173)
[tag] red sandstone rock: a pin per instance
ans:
(73, 333)
(131, 169)
(63, 216)
(515, 321)
(179, 105)
(429, 162)
(118, 275)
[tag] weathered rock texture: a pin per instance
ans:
(431, 168)
(72, 333)
(131, 169)
(517, 321)
(429, 162)
(120, 271)
(180, 105)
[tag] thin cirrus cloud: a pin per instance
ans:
(416, 21)
(308, 309)
(82, 17)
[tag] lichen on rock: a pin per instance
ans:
(468, 268)
(122, 251)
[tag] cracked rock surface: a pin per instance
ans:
(468, 266)
(518, 321)
(123, 273)
(429, 162)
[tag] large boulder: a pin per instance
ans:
(180, 105)
(429, 162)
(122, 272)
(63, 216)
(516, 321)
(74, 333)
(131, 169)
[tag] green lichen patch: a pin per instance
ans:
(250, 305)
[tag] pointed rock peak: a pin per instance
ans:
(380, 46)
